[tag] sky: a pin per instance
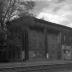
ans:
(56, 11)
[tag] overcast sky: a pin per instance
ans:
(57, 11)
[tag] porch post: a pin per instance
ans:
(46, 43)
(62, 43)
(59, 53)
(25, 44)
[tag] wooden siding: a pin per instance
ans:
(36, 42)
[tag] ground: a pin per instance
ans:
(37, 66)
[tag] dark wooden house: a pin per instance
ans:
(30, 38)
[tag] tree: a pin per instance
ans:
(18, 7)
(10, 8)
(28, 6)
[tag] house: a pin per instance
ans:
(37, 39)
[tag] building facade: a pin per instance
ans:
(35, 39)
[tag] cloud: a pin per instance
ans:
(57, 12)
(50, 17)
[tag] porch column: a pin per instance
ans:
(59, 46)
(46, 43)
(25, 44)
(62, 43)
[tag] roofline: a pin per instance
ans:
(50, 23)
(43, 23)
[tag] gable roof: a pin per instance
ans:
(54, 25)
(32, 21)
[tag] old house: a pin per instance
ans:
(35, 39)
